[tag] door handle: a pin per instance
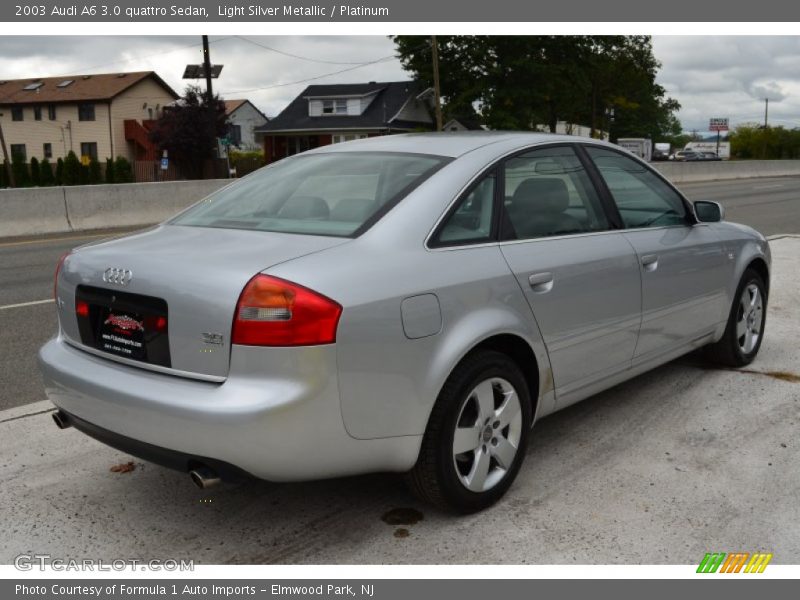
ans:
(541, 282)
(650, 262)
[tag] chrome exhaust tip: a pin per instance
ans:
(204, 478)
(62, 420)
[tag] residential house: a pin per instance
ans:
(328, 114)
(95, 116)
(244, 118)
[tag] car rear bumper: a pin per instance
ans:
(277, 416)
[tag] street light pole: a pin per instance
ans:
(766, 111)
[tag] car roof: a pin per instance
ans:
(449, 143)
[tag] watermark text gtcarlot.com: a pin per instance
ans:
(42, 562)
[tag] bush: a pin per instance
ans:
(109, 170)
(95, 173)
(60, 171)
(20, 169)
(36, 178)
(123, 172)
(72, 170)
(4, 175)
(46, 173)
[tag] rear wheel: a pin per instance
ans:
(476, 436)
(745, 329)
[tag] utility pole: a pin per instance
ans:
(6, 159)
(436, 89)
(207, 69)
(766, 111)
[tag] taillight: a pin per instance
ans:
(58, 270)
(275, 312)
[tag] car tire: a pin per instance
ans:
(485, 403)
(744, 331)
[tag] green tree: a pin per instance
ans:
(189, 129)
(60, 171)
(527, 82)
(36, 176)
(20, 169)
(123, 172)
(95, 172)
(109, 170)
(71, 174)
(46, 173)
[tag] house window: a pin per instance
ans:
(334, 107)
(89, 150)
(47, 150)
(236, 135)
(37, 113)
(86, 112)
(51, 112)
(18, 150)
(16, 113)
(338, 138)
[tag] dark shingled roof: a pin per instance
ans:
(83, 88)
(390, 98)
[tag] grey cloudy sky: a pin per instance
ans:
(711, 76)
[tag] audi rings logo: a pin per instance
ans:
(118, 276)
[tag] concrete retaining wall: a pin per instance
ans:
(688, 172)
(81, 208)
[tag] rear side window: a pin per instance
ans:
(331, 194)
(471, 221)
(643, 198)
(547, 193)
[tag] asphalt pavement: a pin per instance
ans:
(27, 316)
(683, 460)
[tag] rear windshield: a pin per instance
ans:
(335, 194)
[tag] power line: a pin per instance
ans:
(297, 56)
(315, 78)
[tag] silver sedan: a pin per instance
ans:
(410, 303)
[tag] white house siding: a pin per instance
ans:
(134, 103)
(65, 133)
(414, 110)
(247, 118)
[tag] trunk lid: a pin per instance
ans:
(191, 276)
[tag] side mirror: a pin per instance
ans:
(708, 212)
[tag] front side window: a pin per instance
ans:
(547, 193)
(334, 107)
(37, 113)
(17, 113)
(86, 112)
(329, 193)
(471, 221)
(47, 150)
(51, 112)
(642, 198)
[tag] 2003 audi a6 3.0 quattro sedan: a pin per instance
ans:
(410, 303)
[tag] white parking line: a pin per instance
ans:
(23, 304)
(768, 187)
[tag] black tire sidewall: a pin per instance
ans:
(493, 364)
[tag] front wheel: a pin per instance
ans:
(476, 436)
(745, 328)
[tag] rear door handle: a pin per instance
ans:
(650, 262)
(541, 282)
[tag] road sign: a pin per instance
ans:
(718, 124)
(164, 164)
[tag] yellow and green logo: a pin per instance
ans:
(735, 562)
